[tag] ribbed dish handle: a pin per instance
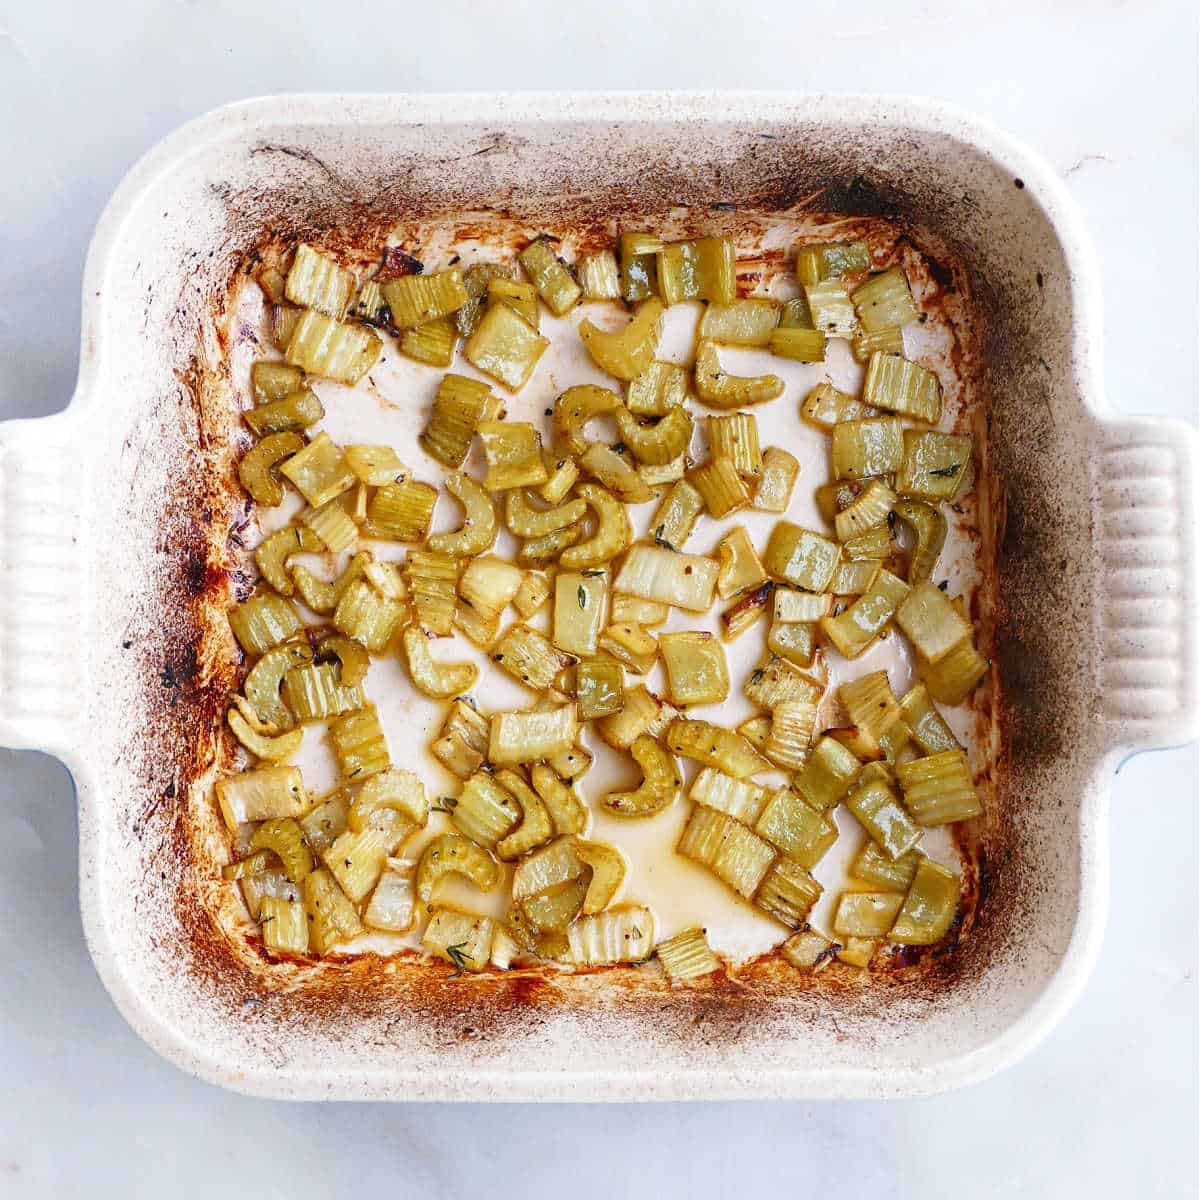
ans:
(1148, 580)
(42, 582)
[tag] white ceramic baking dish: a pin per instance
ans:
(114, 530)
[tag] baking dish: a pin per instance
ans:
(116, 517)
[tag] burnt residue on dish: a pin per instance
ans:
(203, 569)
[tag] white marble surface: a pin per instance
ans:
(1107, 1106)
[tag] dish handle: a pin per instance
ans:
(42, 582)
(1148, 582)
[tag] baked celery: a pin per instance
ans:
(438, 680)
(571, 764)
(271, 556)
(929, 728)
(828, 774)
(431, 343)
(735, 437)
(245, 726)
(718, 389)
(883, 341)
(695, 667)
(612, 536)
(616, 474)
(647, 613)
(793, 641)
(858, 952)
(488, 584)
(929, 907)
(627, 352)
(687, 956)
(295, 412)
(558, 290)
(826, 407)
(884, 818)
(392, 906)
(643, 712)
(274, 380)
(369, 618)
(393, 801)
(261, 794)
(284, 925)
(599, 688)
(750, 606)
(522, 297)
(800, 345)
(735, 854)
(532, 593)
(630, 645)
(599, 276)
(513, 453)
(793, 723)
(401, 512)
(661, 782)
(741, 323)
(832, 311)
(263, 621)
(756, 730)
(713, 746)
(356, 860)
(454, 854)
(461, 745)
(536, 827)
(326, 821)
(661, 387)
(884, 301)
(853, 578)
(779, 472)
(573, 409)
(932, 622)
(544, 550)
(524, 520)
(935, 466)
(897, 385)
(703, 269)
(316, 693)
(480, 523)
(322, 346)
(724, 491)
(853, 630)
(866, 914)
(432, 583)
(869, 509)
(793, 605)
(831, 260)
(580, 608)
(359, 743)
(375, 465)
(485, 811)
(530, 657)
(800, 557)
(874, 543)
(332, 918)
(319, 472)
(655, 573)
(740, 567)
(657, 443)
(929, 536)
(795, 828)
(939, 789)
(788, 892)
(872, 446)
(737, 798)
(619, 935)
(676, 516)
(457, 410)
(956, 675)
(639, 269)
(872, 706)
(333, 525)
(476, 282)
(871, 866)
(418, 299)
(520, 737)
(808, 950)
(463, 939)
(505, 346)
(284, 319)
(257, 470)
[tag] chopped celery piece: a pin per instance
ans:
(871, 705)
(929, 728)
(714, 746)
(513, 452)
(553, 281)
(733, 853)
(655, 573)
(740, 565)
(831, 260)
(639, 270)
(736, 437)
(433, 583)
(795, 641)
(331, 916)
(936, 465)
(315, 692)
(659, 388)
(369, 618)
(718, 389)
(800, 557)
(884, 301)
(619, 935)
(929, 907)
(900, 386)
(322, 346)
(316, 281)
(627, 352)
(939, 789)
(788, 892)
(779, 471)
(929, 531)
(881, 814)
(359, 743)
(274, 380)
(477, 281)
(599, 689)
(505, 346)
(932, 622)
(457, 410)
(530, 657)
(832, 311)
(883, 341)
(297, 410)
(953, 678)
(828, 774)
(700, 270)
(573, 409)
(696, 668)
(263, 621)
(777, 681)
(319, 471)
(261, 795)
(800, 831)
(417, 299)
(861, 448)
(801, 345)
(741, 323)
(723, 489)
(520, 296)
(793, 723)
(855, 629)
(580, 611)
(870, 865)
(826, 407)
(676, 516)
(737, 798)
(687, 955)
(463, 939)
(858, 952)
(866, 914)
(808, 950)
(401, 512)
(432, 343)
(599, 276)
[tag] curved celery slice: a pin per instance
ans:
(608, 873)
(536, 827)
(480, 525)
(392, 792)
(627, 352)
(867, 510)
(432, 678)
(643, 713)
(573, 409)
(454, 854)
(566, 810)
(296, 411)
(616, 474)
(718, 389)
(277, 748)
(661, 782)
(929, 530)
(660, 442)
(256, 471)
(526, 521)
(613, 534)
(266, 678)
(271, 556)
(283, 837)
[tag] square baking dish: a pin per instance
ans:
(115, 524)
